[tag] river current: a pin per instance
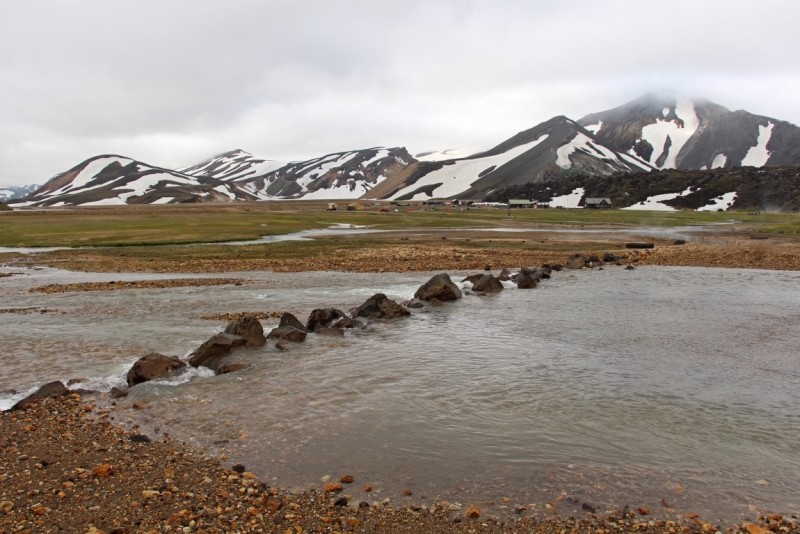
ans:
(606, 387)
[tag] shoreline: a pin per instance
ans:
(67, 466)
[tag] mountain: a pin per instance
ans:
(343, 175)
(672, 132)
(113, 180)
(775, 188)
(558, 147)
(13, 193)
(233, 176)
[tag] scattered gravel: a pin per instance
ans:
(140, 284)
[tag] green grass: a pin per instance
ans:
(162, 225)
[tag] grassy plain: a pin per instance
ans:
(210, 223)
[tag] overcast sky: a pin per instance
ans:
(173, 82)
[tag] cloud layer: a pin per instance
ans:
(174, 82)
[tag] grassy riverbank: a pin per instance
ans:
(208, 223)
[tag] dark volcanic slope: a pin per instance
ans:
(719, 137)
(770, 188)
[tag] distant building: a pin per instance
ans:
(520, 203)
(598, 203)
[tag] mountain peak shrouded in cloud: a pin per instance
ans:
(653, 132)
(291, 81)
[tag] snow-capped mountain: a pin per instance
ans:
(13, 192)
(343, 175)
(558, 147)
(672, 132)
(114, 180)
(233, 165)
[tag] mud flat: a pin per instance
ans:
(67, 468)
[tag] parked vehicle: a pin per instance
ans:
(384, 210)
(332, 207)
(351, 207)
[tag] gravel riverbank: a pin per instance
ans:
(65, 467)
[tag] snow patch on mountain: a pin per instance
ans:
(719, 161)
(235, 165)
(656, 202)
(459, 176)
(658, 133)
(720, 203)
(450, 153)
(585, 144)
(568, 201)
(594, 128)
(758, 155)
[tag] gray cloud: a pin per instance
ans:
(173, 82)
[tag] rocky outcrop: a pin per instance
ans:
(211, 353)
(152, 367)
(473, 278)
(249, 328)
(324, 318)
(379, 306)
(287, 319)
(288, 333)
(488, 284)
(576, 262)
(51, 389)
(439, 287)
(505, 274)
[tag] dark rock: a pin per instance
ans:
(505, 272)
(84, 392)
(239, 468)
(526, 282)
(576, 262)
(336, 332)
(610, 258)
(73, 381)
(473, 278)
(436, 303)
(152, 367)
(488, 284)
(211, 353)
(49, 390)
(630, 267)
(287, 319)
(527, 271)
(679, 242)
(545, 269)
(415, 304)
(287, 333)
(324, 318)
(363, 504)
(557, 267)
(227, 368)
(589, 508)
(249, 328)
(639, 245)
(341, 501)
(379, 306)
(593, 259)
(118, 393)
(487, 268)
(439, 287)
(139, 438)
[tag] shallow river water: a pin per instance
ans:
(607, 387)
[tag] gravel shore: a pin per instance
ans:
(65, 467)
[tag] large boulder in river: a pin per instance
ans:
(287, 319)
(211, 353)
(473, 278)
(379, 306)
(526, 281)
(439, 287)
(288, 333)
(51, 389)
(153, 366)
(576, 262)
(324, 318)
(505, 274)
(249, 328)
(488, 284)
